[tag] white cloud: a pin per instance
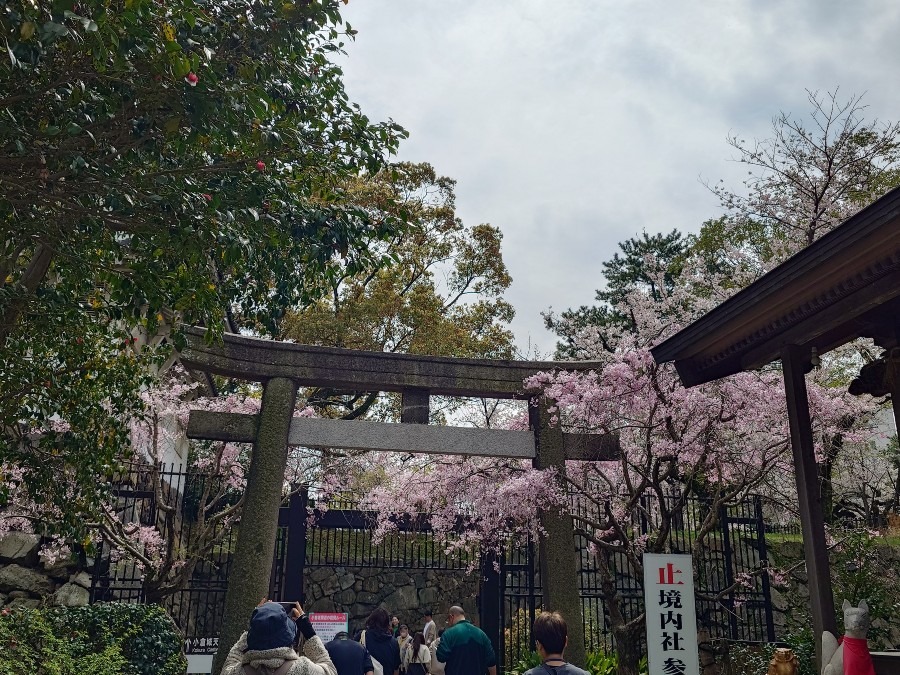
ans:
(575, 124)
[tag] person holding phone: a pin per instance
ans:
(267, 646)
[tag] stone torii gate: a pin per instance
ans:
(284, 367)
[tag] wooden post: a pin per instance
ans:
(809, 496)
(248, 581)
(892, 371)
(556, 550)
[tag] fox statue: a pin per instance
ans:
(849, 655)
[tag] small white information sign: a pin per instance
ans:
(327, 625)
(671, 615)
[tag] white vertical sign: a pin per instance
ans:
(671, 615)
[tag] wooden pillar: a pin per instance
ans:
(892, 371)
(248, 581)
(556, 550)
(809, 496)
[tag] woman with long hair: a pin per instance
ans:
(419, 656)
(382, 646)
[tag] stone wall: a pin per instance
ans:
(359, 590)
(25, 581)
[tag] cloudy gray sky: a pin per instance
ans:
(575, 124)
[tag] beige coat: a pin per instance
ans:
(315, 659)
(437, 668)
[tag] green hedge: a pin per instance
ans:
(598, 663)
(101, 639)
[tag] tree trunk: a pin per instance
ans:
(31, 279)
(628, 649)
(826, 468)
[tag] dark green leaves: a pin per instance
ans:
(131, 142)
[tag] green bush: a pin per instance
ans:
(598, 663)
(102, 639)
(526, 663)
(742, 658)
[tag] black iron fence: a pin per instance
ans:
(168, 498)
(344, 537)
(733, 594)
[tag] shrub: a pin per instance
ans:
(598, 663)
(754, 658)
(102, 639)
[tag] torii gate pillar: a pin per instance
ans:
(556, 550)
(248, 581)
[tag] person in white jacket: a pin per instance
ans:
(437, 667)
(267, 647)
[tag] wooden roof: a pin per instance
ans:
(843, 286)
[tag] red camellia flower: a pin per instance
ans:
(192, 79)
(260, 165)
(207, 196)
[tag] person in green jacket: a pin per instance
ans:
(464, 648)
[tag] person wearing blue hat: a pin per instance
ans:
(267, 647)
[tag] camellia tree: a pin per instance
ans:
(160, 163)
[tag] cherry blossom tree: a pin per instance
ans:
(717, 442)
(167, 548)
(807, 177)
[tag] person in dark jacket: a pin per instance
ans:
(349, 657)
(464, 648)
(381, 644)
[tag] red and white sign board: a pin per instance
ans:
(327, 625)
(671, 615)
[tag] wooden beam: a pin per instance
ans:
(258, 360)
(809, 496)
(406, 438)
(840, 313)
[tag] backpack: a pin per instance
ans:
(376, 665)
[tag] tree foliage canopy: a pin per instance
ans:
(159, 163)
(441, 294)
(623, 274)
(185, 155)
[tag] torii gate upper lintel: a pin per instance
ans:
(284, 367)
